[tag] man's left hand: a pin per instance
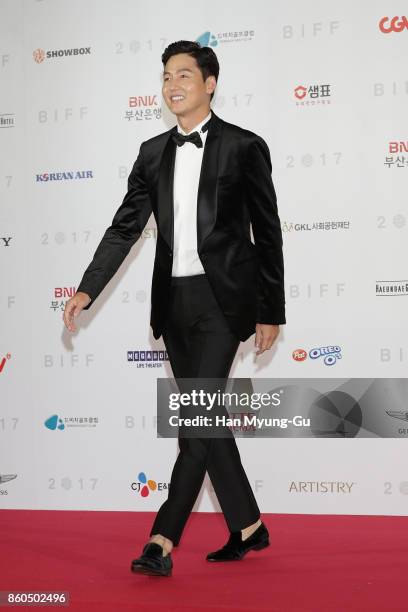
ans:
(265, 336)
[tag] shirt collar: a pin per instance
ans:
(198, 127)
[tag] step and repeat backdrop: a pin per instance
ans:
(326, 85)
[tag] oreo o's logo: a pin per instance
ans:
(330, 354)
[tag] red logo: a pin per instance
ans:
(299, 355)
(395, 24)
(300, 92)
(398, 147)
(3, 361)
(62, 292)
(143, 101)
(39, 55)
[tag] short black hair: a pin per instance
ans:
(204, 56)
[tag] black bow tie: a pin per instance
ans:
(194, 137)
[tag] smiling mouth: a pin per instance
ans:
(177, 98)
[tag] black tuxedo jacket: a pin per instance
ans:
(235, 189)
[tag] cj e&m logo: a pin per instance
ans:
(39, 55)
(145, 485)
(329, 354)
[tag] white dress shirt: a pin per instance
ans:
(185, 189)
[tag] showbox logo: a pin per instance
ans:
(70, 175)
(144, 485)
(329, 354)
(56, 422)
(39, 55)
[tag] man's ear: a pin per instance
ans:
(211, 83)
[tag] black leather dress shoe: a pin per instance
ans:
(152, 562)
(235, 548)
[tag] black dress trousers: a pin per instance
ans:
(200, 343)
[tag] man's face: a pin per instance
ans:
(184, 89)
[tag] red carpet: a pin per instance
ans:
(315, 563)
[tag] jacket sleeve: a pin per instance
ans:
(127, 226)
(266, 227)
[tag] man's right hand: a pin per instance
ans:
(73, 307)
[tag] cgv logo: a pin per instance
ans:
(395, 24)
(3, 361)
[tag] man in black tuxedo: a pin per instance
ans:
(205, 180)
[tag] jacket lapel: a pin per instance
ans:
(165, 203)
(207, 186)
